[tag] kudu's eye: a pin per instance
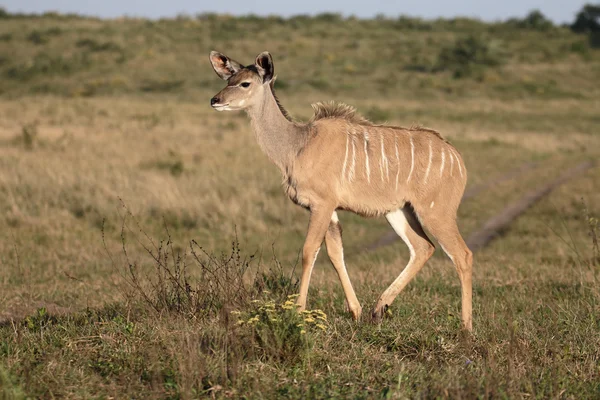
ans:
(245, 84)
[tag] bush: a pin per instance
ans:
(43, 37)
(466, 56)
(44, 64)
(536, 20)
(587, 20)
(94, 46)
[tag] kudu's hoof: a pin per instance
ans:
(378, 313)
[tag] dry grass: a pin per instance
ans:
(80, 150)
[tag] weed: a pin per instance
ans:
(29, 135)
(277, 331)
(593, 227)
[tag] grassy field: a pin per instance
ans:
(147, 249)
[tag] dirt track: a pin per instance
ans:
(495, 225)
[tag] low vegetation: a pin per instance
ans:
(148, 251)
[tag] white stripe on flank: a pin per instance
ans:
(429, 165)
(451, 162)
(368, 169)
(383, 163)
(397, 160)
(412, 157)
(345, 159)
(443, 160)
(458, 162)
(351, 173)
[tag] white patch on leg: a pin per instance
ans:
(334, 218)
(315, 259)
(448, 254)
(398, 221)
(412, 157)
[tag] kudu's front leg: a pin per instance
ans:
(317, 227)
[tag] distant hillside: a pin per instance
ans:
(68, 55)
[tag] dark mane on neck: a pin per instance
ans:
(283, 110)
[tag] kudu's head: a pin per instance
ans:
(246, 86)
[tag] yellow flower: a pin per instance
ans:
(235, 312)
(321, 326)
(302, 332)
(309, 320)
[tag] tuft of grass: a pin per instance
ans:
(28, 137)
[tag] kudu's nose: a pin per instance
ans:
(214, 101)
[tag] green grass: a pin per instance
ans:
(108, 149)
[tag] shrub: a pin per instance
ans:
(44, 64)
(95, 46)
(587, 20)
(195, 283)
(536, 20)
(467, 55)
(43, 37)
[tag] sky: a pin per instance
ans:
(558, 10)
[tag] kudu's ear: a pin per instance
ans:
(224, 66)
(264, 65)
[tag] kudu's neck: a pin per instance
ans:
(280, 138)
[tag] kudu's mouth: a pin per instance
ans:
(221, 107)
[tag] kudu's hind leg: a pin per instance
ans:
(406, 225)
(443, 227)
(335, 250)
